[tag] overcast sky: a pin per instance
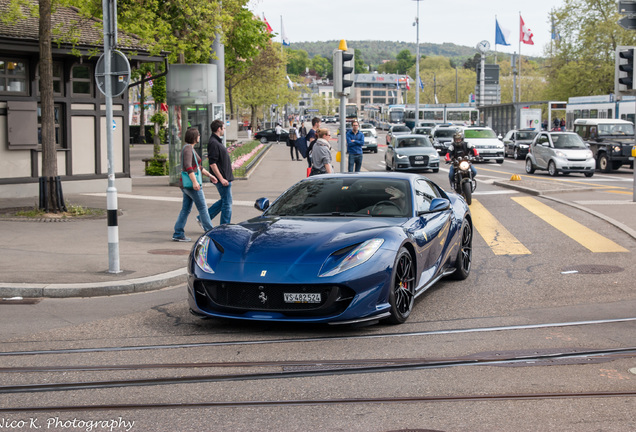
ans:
(463, 22)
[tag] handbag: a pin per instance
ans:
(185, 177)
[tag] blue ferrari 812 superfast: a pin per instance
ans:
(335, 248)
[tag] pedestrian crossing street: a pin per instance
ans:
(502, 242)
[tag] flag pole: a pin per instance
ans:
(495, 39)
(519, 89)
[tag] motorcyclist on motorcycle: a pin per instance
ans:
(459, 148)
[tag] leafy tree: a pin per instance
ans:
(182, 29)
(52, 200)
(246, 38)
(582, 61)
(265, 82)
(297, 61)
(405, 60)
(322, 66)
(359, 65)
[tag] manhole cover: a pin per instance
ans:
(169, 252)
(591, 269)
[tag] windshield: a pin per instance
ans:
(354, 197)
(414, 142)
(445, 133)
(568, 141)
(401, 129)
(616, 129)
(367, 133)
(479, 133)
(526, 135)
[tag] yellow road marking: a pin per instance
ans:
(577, 232)
(500, 240)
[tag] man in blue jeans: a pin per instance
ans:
(221, 167)
(355, 141)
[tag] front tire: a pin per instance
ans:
(402, 294)
(264, 140)
(465, 254)
(529, 166)
(467, 192)
(604, 164)
(552, 169)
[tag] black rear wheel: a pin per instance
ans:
(402, 294)
(465, 253)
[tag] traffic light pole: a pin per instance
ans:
(342, 137)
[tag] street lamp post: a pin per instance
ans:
(417, 65)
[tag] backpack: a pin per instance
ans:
(292, 134)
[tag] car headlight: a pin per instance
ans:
(560, 154)
(401, 156)
(589, 154)
(617, 149)
(348, 258)
(201, 254)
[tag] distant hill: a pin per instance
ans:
(374, 52)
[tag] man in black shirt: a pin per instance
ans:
(221, 167)
(459, 148)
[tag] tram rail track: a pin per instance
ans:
(322, 369)
(314, 339)
(306, 402)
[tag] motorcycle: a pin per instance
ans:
(463, 182)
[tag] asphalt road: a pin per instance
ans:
(472, 356)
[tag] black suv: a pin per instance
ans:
(443, 137)
(611, 141)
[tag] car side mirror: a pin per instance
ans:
(437, 205)
(261, 204)
(499, 137)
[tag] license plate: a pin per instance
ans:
(419, 162)
(301, 298)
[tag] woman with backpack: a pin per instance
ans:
(291, 142)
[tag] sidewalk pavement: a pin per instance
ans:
(71, 259)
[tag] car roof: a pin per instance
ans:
(381, 175)
(600, 121)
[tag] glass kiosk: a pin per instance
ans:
(192, 102)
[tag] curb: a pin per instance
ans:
(96, 289)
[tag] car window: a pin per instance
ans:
(526, 135)
(479, 133)
(414, 142)
(424, 194)
(568, 141)
(354, 197)
(367, 133)
(445, 133)
(615, 129)
(401, 129)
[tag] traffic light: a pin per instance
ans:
(342, 70)
(624, 70)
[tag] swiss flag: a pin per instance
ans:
(525, 34)
(269, 27)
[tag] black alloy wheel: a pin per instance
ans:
(402, 295)
(465, 253)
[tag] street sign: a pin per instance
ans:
(119, 73)
(628, 22)
(627, 7)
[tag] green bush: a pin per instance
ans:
(158, 166)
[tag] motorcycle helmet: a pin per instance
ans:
(458, 137)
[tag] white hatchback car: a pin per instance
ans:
(557, 152)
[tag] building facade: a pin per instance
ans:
(80, 116)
